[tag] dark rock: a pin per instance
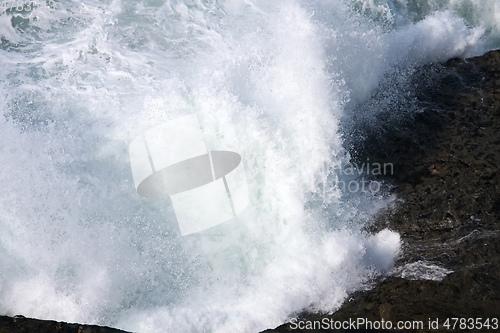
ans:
(21, 324)
(446, 175)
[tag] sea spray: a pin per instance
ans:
(269, 80)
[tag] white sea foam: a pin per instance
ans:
(269, 80)
(422, 270)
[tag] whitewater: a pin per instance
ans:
(278, 82)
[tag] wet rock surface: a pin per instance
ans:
(20, 324)
(446, 175)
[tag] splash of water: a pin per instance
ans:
(267, 80)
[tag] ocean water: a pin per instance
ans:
(279, 82)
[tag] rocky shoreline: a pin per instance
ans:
(447, 180)
(21, 324)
